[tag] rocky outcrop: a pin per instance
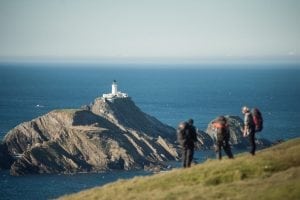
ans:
(236, 136)
(111, 135)
(127, 116)
(205, 141)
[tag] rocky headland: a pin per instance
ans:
(111, 135)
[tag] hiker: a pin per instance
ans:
(186, 136)
(222, 137)
(249, 128)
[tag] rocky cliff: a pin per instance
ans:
(127, 116)
(111, 135)
(205, 141)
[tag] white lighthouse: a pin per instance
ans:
(114, 88)
(114, 93)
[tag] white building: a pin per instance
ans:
(114, 92)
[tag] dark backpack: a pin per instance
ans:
(257, 119)
(186, 134)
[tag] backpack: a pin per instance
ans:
(186, 134)
(221, 131)
(181, 133)
(257, 119)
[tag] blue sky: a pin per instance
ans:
(153, 29)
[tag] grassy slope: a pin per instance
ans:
(273, 173)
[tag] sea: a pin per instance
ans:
(171, 93)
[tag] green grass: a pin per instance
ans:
(273, 173)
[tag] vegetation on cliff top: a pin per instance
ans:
(273, 173)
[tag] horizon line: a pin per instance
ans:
(177, 62)
(147, 59)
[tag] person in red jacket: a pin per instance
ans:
(222, 137)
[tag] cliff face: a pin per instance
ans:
(126, 115)
(117, 136)
(205, 141)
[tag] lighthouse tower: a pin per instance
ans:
(114, 88)
(114, 93)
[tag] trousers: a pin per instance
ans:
(251, 137)
(226, 146)
(187, 156)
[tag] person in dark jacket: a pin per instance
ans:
(222, 137)
(249, 128)
(187, 136)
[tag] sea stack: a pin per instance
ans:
(113, 133)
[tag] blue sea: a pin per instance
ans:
(170, 93)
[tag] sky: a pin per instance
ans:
(153, 29)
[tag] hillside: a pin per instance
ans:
(274, 173)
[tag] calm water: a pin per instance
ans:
(171, 95)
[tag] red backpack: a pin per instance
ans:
(257, 119)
